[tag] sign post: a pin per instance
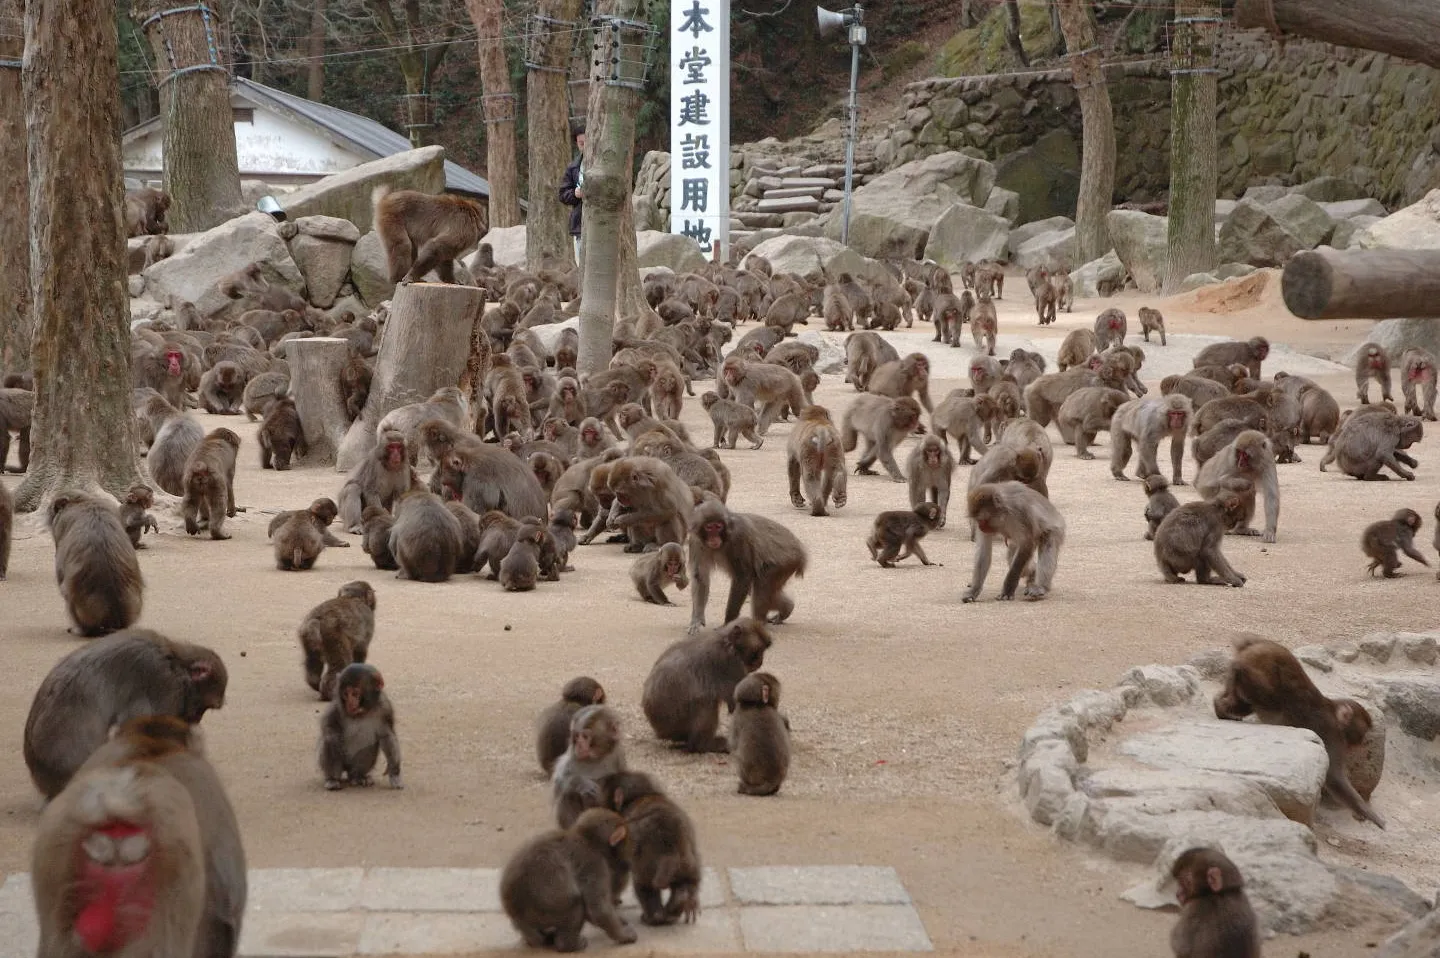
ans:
(700, 122)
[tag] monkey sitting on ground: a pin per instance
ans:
(421, 232)
(902, 529)
(356, 728)
(425, 538)
(520, 568)
(561, 879)
(594, 751)
(1268, 681)
(694, 677)
(376, 543)
(759, 735)
(210, 484)
(132, 516)
(1161, 502)
(336, 633)
(1189, 539)
(1382, 540)
(552, 730)
(664, 851)
(1216, 920)
(95, 564)
(653, 571)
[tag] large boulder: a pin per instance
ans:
(967, 234)
(369, 271)
(1052, 249)
(1003, 202)
(1045, 175)
(678, 252)
(1349, 209)
(507, 245)
(832, 355)
(1141, 243)
(846, 260)
(797, 254)
(347, 195)
(1024, 233)
(195, 272)
(322, 248)
(1253, 234)
(892, 214)
(1304, 218)
(1347, 232)
(1106, 271)
(1329, 189)
(1417, 226)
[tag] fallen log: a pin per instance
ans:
(1363, 284)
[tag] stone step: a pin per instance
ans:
(791, 192)
(798, 182)
(799, 204)
(341, 912)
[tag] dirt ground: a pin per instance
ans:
(907, 706)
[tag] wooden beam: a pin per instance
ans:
(1403, 28)
(1363, 284)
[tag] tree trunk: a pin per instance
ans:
(17, 326)
(498, 104)
(1193, 168)
(315, 365)
(1402, 28)
(425, 346)
(547, 111)
(1097, 151)
(630, 299)
(202, 174)
(609, 159)
(83, 427)
(1363, 284)
(315, 72)
(1012, 31)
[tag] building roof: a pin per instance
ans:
(358, 133)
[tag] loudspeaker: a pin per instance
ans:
(829, 20)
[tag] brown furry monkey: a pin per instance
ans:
(210, 484)
(421, 232)
(1216, 920)
(95, 564)
(902, 529)
(759, 735)
(694, 677)
(653, 571)
(594, 751)
(665, 853)
(132, 516)
(1382, 540)
(552, 734)
(336, 633)
(356, 728)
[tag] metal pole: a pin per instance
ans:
(850, 134)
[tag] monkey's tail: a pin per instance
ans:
(377, 196)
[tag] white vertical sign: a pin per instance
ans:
(700, 122)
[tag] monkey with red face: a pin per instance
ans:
(358, 726)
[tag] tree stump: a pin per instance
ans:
(426, 345)
(315, 365)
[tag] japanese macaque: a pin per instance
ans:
(594, 750)
(930, 468)
(732, 420)
(1372, 362)
(421, 232)
(864, 353)
(16, 408)
(1417, 370)
(559, 880)
(653, 571)
(816, 458)
(520, 569)
(766, 383)
(1216, 920)
(380, 479)
(1076, 349)
(281, 437)
(1382, 541)
(665, 856)
(376, 542)
(1143, 423)
(336, 633)
(1189, 537)
(107, 683)
(95, 564)
(552, 730)
(1160, 502)
(949, 312)
(903, 377)
(1032, 529)
(1110, 328)
(1249, 456)
(902, 529)
(1152, 322)
(760, 555)
(1064, 288)
(446, 404)
(132, 516)
(759, 735)
(1268, 681)
(1368, 439)
(967, 419)
(425, 538)
(210, 484)
(1085, 413)
(694, 677)
(356, 728)
(651, 502)
(984, 326)
(145, 212)
(141, 854)
(883, 422)
(1250, 354)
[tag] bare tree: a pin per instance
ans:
(315, 50)
(1097, 150)
(1012, 31)
(1193, 168)
(498, 103)
(16, 323)
(82, 423)
(420, 35)
(547, 113)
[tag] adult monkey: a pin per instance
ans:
(422, 232)
(759, 553)
(1145, 422)
(1249, 456)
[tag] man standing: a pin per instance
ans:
(572, 192)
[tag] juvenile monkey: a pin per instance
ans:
(1152, 322)
(930, 468)
(1161, 502)
(356, 728)
(1372, 362)
(694, 677)
(653, 571)
(759, 735)
(665, 855)
(902, 529)
(520, 569)
(95, 564)
(210, 484)
(552, 730)
(1382, 540)
(1268, 681)
(594, 751)
(132, 515)
(731, 420)
(1216, 920)
(336, 633)
(377, 526)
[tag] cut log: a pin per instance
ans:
(1363, 284)
(1404, 28)
(315, 365)
(425, 345)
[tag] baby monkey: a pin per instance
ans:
(759, 735)
(1382, 540)
(902, 529)
(358, 726)
(1216, 920)
(1161, 503)
(653, 571)
(133, 515)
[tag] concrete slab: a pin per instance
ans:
(329, 934)
(19, 934)
(431, 889)
(304, 889)
(16, 896)
(818, 885)
(713, 890)
(808, 928)
(427, 933)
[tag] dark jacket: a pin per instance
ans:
(567, 196)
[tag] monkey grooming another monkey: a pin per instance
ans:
(653, 571)
(95, 564)
(336, 633)
(421, 232)
(594, 751)
(694, 677)
(759, 735)
(132, 516)
(356, 728)
(1268, 681)
(1216, 920)
(559, 880)
(664, 852)
(1382, 540)
(902, 529)
(552, 730)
